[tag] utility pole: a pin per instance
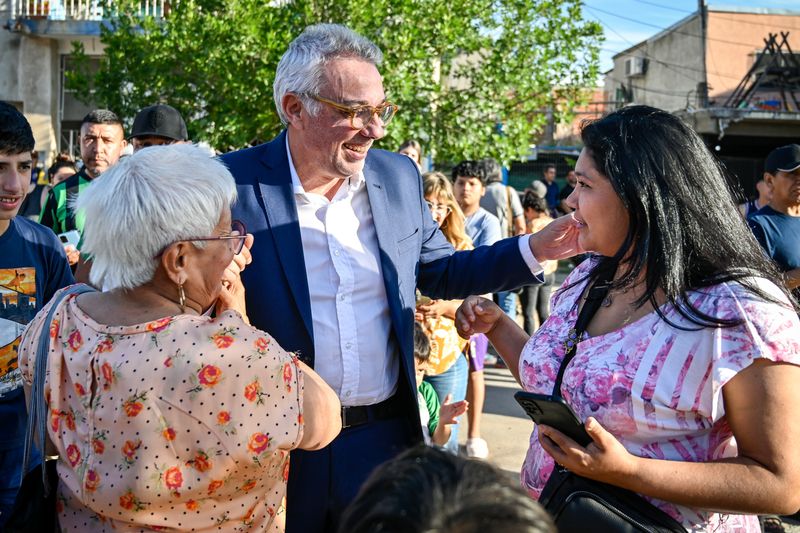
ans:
(702, 86)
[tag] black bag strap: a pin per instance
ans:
(594, 299)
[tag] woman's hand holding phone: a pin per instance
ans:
(604, 459)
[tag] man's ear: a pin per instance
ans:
(293, 109)
(769, 180)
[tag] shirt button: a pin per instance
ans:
(336, 253)
(343, 297)
(348, 345)
(347, 394)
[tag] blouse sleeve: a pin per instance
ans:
(240, 384)
(769, 331)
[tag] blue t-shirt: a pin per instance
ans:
(33, 267)
(552, 195)
(483, 228)
(779, 235)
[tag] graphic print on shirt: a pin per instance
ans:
(17, 308)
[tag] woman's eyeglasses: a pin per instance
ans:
(235, 238)
(441, 209)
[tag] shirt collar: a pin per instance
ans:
(354, 182)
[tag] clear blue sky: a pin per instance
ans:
(651, 17)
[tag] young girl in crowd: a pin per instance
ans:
(447, 367)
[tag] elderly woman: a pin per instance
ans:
(687, 376)
(162, 416)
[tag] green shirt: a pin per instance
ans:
(57, 212)
(432, 404)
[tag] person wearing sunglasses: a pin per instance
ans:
(344, 240)
(160, 413)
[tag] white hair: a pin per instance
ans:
(300, 68)
(146, 202)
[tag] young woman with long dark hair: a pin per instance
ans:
(687, 376)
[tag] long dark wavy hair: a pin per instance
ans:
(685, 232)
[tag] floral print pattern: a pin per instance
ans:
(138, 452)
(656, 388)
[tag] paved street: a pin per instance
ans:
(505, 427)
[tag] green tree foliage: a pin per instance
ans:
(471, 77)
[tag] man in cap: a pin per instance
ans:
(157, 125)
(777, 224)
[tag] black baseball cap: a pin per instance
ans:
(161, 120)
(783, 159)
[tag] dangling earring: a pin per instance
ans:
(181, 298)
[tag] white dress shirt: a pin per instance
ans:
(349, 307)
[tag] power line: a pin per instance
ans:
(666, 64)
(644, 51)
(718, 17)
(661, 28)
(665, 7)
(677, 65)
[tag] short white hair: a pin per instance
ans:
(300, 69)
(144, 203)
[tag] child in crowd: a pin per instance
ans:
(436, 418)
(425, 489)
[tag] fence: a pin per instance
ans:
(77, 10)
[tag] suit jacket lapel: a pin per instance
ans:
(387, 243)
(281, 210)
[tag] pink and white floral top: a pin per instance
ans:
(180, 424)
(656, 388)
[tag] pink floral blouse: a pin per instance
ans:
(181, 424)
(656, 388)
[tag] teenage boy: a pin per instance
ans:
(777, 224)
(32, 267)
(469, 186)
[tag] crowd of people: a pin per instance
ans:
(286, 336)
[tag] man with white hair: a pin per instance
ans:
(343, 237)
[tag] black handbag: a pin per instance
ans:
(579, 504)
(35, 505)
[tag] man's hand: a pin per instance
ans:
(557, 240)
(73, 255)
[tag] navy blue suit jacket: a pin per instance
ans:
(413, 252)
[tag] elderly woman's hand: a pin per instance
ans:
(477, 315)
(231, 296)
(239, 262)
(605, 459)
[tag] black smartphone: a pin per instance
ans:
(553, 412)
